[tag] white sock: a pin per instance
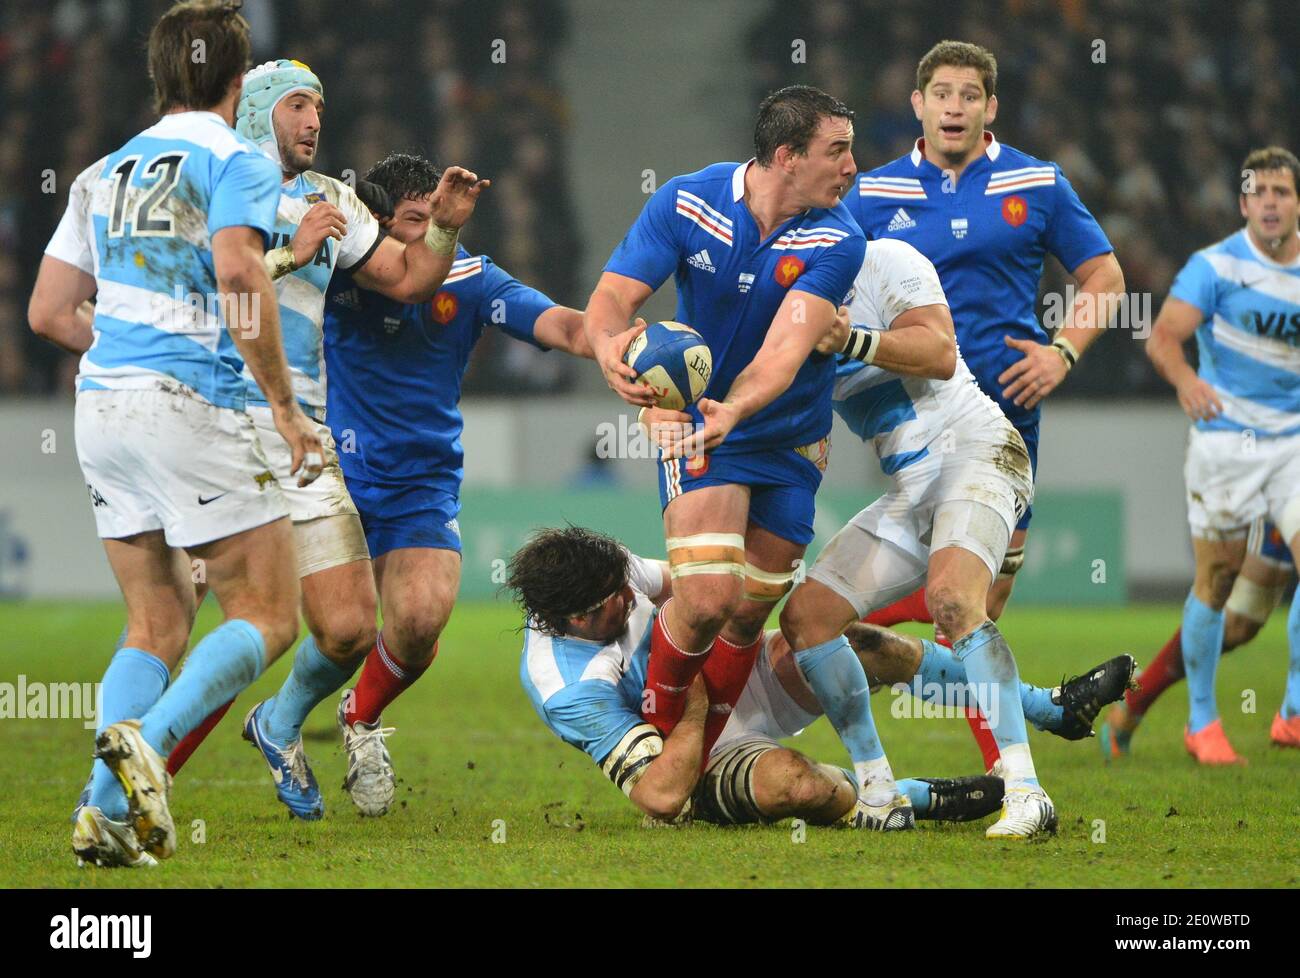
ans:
(1018, 766)
(877, 781)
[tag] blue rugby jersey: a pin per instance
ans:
(1249, 342)
(396, 368)
(730, 285)
(141, 221)
(302, 292)
(987, 237)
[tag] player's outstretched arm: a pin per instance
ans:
(798, 326)
(58, 310)
(1174, 326)
(560, 328)
(666, 786)
(605, 322)
(415, 272)
(252, 313)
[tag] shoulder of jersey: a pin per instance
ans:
(465, 266)
(691, 194)
(895, 180)
(206, 130)
(1014, 171)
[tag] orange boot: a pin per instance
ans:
(1209, 745)
(1285, 733)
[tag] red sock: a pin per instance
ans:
(382, 680)
(910, 608)
(190, 742)
(725, 675)
(669, 675)
(979, 728)
(1165, 670)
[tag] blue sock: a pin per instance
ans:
(312, 678)
(132, 683)
(1291, 704)
(918, 792)
(1036, 702)
(227, 661)
(840, 684)
(939, 666)
(1202, 645)
(991, 671)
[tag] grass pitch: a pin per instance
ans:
(488, 797)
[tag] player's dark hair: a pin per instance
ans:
(196, 50)
(1270, 158)
(405, 175)
(959, 54)
(789, 117)
(561, 573)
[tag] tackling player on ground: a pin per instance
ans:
(1240, 298)
(396, 371)
(172, 462)
(763, 253)
(591, 607)
(985, 215)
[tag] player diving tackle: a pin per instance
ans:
(590, 609)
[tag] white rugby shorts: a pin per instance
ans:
(1234, 478)
(968, 491)
(168, 460)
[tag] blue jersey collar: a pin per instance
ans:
(992, 149)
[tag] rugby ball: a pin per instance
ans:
(673, 361)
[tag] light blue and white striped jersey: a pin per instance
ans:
(302, 292)
(1249, 342)
(589, 694)
(902, 416)
(141, 221)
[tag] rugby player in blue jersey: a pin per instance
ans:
(1240, 298)
(762, 253)
(986, 215)
(395, 380)
(168, 232)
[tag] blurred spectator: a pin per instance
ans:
(472, 82)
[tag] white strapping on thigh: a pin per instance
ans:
(329, 541)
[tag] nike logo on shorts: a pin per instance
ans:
(210, 499)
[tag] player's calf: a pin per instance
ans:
(788, 785)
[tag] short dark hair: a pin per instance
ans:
(789, 117)
(181, 78)
(405, 175)
(561, 573)
(1271, 158)
(959, 54)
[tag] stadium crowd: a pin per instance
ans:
(397, 76)
(1149, 108)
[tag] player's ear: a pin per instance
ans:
(1241, 202)
(991, 110)
(917, 101)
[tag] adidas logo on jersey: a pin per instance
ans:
(702, 261)
(900, 220)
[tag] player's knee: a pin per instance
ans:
(803, 625)
(800, 789)
(346, 633)
(412, 633)
(951, 607)
(709, 609)
(1238, 630)
(167, 639)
